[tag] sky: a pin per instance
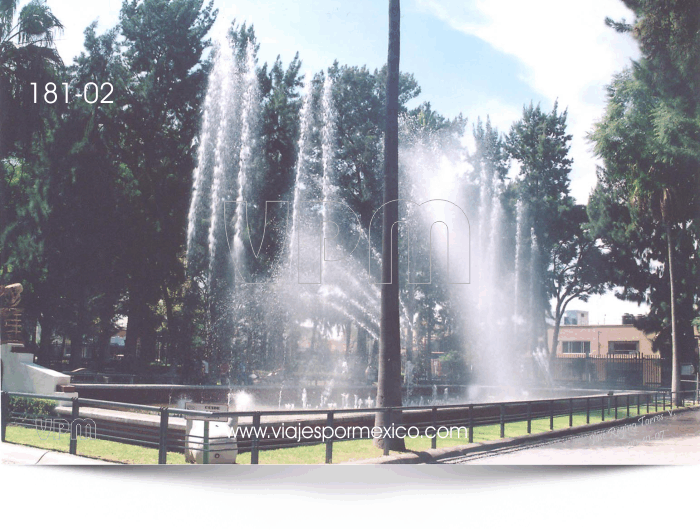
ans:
(475, 57)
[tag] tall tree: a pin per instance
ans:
(642, 207)
(360, 147)
(422, 129)
(577, 268)
(165, 41)
(84, 243)
(662, 161)
(389, 384)
(27, 55)
(540, 144)
(636, 253)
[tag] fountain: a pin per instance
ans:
(408, 378)
(316, 281)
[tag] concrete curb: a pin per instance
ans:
(433, 456)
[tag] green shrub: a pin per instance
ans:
(31, 407)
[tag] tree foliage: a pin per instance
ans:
(646, 203)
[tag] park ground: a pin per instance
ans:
(660, 438)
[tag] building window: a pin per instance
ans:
(623, 347)
(576, 347)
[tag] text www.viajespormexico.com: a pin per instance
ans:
(326, 433)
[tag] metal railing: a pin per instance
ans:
(166, 434)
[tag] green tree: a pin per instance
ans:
(27, 55)
(84, 237)
(425, 304)
(164, 42)
(635, 256)
(577, 268)
(661, 163)
(490, 154)
(281, 102)
(540, 144)
(360, 149)
(638, 213)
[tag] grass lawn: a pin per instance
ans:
(343, 451)
(99, 449)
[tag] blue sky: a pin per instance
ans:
(477, 57)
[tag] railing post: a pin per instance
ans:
(433, 439)
(329, 442)
(628, 406)
(503, 420)
(5, 419)
(471, 424)
(647, 399)
(588, 410)
(529, 418)
(615, 400)
(697, 387)
(205, 444)
(639, 405)
(656, 402)
(602, 409)
(163, 439)
(254, 448)
(387, 442)
(75, 413)
(571, 412)
(551, 415)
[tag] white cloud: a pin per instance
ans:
(568, 52)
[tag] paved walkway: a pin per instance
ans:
(16, 454)
(662, 438)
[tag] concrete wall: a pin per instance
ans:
(21, 375)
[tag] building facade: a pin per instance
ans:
(617, 355)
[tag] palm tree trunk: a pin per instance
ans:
(389, 381)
